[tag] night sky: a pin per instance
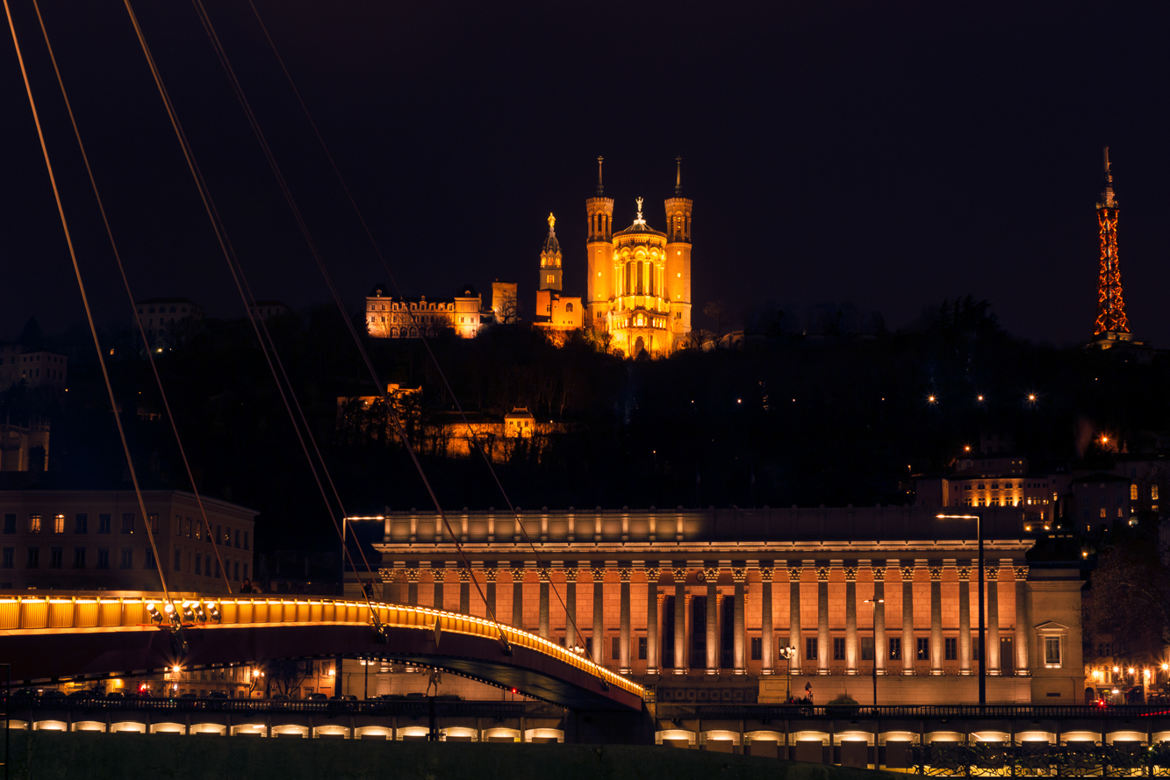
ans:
(887, 154)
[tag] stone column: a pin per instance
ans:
(518, 595)
(490, 574)
(599, 614)
(936, 632)
(624, 650)
(909, 649)
(542, 574)
(852, 651)
(767, 632)
(412, 585)
(438, 574)
(652, 661)
(965, 643)
(680, 619)
(711, 574)
(464, 575)
(794, 639)
(1023, 623)
(824, 639)
(571, 638)
(992, 577)
(880, 650)
(739, 633)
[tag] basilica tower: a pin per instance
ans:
(599, 250)
(678, 259)
(550, 259)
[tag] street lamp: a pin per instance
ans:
(982, 619)
(786, 653)
(873, 609)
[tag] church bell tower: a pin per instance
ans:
(678, 258)
(599, 253)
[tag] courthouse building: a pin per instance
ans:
(759, 604)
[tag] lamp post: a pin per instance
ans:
(873, 611)
(982, 620)
(786, 653)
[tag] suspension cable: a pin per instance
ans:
(228, 252)
(130, 297)
(302, 225)
(85, 304)
(394, 284)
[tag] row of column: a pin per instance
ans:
(795, 649)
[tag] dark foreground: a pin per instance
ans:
(44, 754)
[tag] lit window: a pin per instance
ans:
(58, 524)
(1133, 492)
(34, 524)
(1153, 492)
(1103, 514)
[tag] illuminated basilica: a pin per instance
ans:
(638, 284)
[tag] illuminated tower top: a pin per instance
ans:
(550, 259)
(1111, 324)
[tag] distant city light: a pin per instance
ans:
(979, 398)
(1031, 398)
(966, 448)
(931, 399)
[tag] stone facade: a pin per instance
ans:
(684, 598)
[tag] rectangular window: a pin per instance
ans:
(838, 648)
(923, 649)
(245, 571)
(153, 518)
(757, 646)
(9, 559)
(148, 559)
(127, 558)
(103, 524)
(810, 648)
(103, 558)
(178, 559)
(867, 648)
(1153, 492)
(79, 557)
(1133, 492)
(951, 648)
(641, 640)
(127, 522)
(237, 538)
(615, 643)
(34, 557)
(58, 523)
(237, 576)
(34, 524)
(56, 556)
(198, 563)
(895, 648)
(1052, 652)
(81, 523)
(10, 523)
(245, 540)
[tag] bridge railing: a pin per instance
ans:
(918, 711)
(55, 613)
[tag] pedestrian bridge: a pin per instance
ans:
(60, 637)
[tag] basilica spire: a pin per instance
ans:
(678, 176)
(600, 185)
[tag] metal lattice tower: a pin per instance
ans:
(1110, 303)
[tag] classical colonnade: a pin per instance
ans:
(919, 614)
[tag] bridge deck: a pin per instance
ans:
(61, 637)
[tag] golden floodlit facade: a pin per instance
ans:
(639, 279)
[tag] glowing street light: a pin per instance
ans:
(982, 619)
(873, 607)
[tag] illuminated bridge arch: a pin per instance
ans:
(62, 637)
